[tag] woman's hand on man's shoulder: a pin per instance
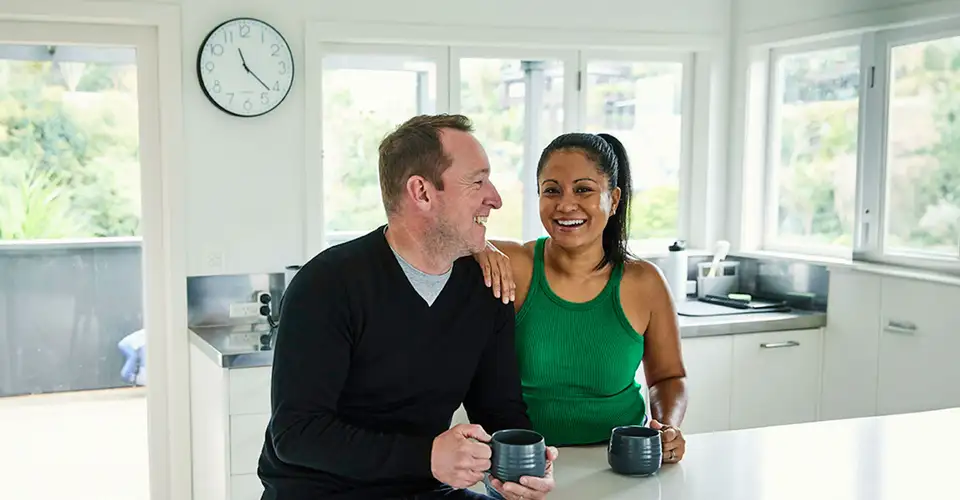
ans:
(497, 272)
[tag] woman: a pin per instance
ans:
(587, 312)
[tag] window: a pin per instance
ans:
(519, 100)
(863, 148)
(922, 204)
(640, 103)
(365, 96)
(812, 162)
(517, 109)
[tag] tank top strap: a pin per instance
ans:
(538, 260)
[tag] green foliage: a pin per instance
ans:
(71, 157)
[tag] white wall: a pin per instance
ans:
(762, 14)
(244, 177)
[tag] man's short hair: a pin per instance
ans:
(414, 148)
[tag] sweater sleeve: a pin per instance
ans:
(310, 367)
(494, 400)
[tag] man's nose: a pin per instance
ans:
(493, 199)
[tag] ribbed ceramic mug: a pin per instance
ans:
(635, 450)
(517, 453)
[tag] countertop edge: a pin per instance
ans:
(690, 327)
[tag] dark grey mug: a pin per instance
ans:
(517, 453)
(635, 450)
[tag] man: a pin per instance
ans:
(383, 337)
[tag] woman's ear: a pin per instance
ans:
(615, 198)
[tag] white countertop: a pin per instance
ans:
(909, 457)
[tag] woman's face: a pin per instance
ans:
(575, 199)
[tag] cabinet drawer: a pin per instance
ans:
(246, 442)
(776, 378)
(250, 390)
(245, 487)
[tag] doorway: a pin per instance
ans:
(79, 246)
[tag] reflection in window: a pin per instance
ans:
(814, 153)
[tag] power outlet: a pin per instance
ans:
(245, 309)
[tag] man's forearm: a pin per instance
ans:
(668, 401)
(321, 441)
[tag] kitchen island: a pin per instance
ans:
(896, 457)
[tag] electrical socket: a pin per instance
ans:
(245, 309)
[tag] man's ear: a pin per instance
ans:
(419, 191)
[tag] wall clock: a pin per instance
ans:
(245, 67)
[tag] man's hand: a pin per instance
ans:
(530, 488)
(458, 461)
(674, 445)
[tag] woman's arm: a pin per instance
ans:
(662, 358)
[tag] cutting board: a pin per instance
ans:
(697, 308)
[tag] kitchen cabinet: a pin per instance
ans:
(776, 378)
(230, 409)
(919, 360)
(851, 346)
(709, 365)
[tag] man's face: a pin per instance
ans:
(468, 196)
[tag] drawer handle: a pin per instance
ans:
(895, 326)
(776, 345)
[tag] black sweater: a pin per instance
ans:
(366, 375)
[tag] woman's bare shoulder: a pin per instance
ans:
(515, 250)
(644, 275)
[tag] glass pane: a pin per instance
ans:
(923, 148)
(495, 94)
(72, 345)
(814, 152)
(640, 103)
(364, 98)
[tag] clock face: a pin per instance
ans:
(245, 67)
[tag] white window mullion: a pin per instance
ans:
(868, 231)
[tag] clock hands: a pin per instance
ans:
(244, 62)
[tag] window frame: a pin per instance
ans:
(313, 205)
(770, 196)
(685, 194)
(705, 85)
(870, 217)
(871, 230)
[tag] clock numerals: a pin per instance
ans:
(235, 71)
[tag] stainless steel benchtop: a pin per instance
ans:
(239, 346)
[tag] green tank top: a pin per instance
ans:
(578, 361)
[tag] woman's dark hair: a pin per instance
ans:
(611, 159)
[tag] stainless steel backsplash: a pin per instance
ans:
(209, 297)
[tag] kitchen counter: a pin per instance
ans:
(896, 457)
(239, 346)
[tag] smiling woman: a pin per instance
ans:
(585, 305)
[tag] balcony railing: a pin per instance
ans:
(64, 306)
